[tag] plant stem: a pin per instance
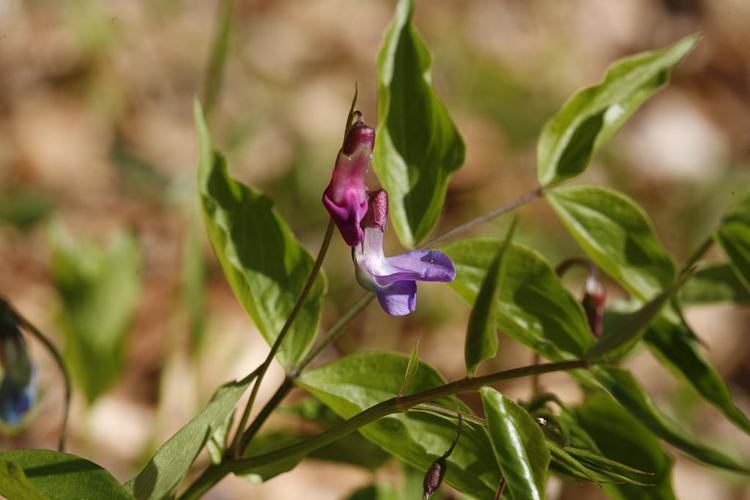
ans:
(502, 210)
(47, 343)
(218, 57)
(397, 405)
(697, 254)
(238, 444)
(394, 405)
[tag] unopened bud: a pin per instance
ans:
(358, 134)
(594, 300)
(434, 477)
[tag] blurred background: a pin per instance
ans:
(102, 245)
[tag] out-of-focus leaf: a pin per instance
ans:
(58, 476)
(678, 349)
(99, 292)
(417, 148)
(734, 237)
(593, 115)
(534, 307)
(519, 446)
(617, 235)
(14, 485)
(713, 284)
(262, 260)
(356, 382)
(621, 437)
(481, 333)
(218, 56)
(24, 207)
(628, 392)
(411, 369)
(169, 465)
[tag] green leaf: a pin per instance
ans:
(631, 328)
(621, 437)
(263, 262)
(678, 349)
(534, 307)
(417, 148)
(356, 382)
(14, 485)
(519, 446)
(617, 235)
(266, 443)
(411, 369)
(593, 115)
(713, 284)
(168, 466)
(628, 392)
(733, 235)
(99, 290)
(217, 443)
(481, 333)
(59, 476)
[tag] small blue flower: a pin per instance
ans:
(18, 386)
(394, 279)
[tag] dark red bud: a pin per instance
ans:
(594, 300)
(377, 210)
(357, 135)
(434, 477)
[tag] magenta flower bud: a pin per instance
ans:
(434, 477)
(345, 198)
(594, 300)
(394, 279)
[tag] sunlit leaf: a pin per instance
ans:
(481, 333)
(593, 115)
(519, 446)
(171, 463)
(617, 235)
(262, 260)
(417, 146)
(58, 476)
(356, 382)
(14, 485)
(534, 307)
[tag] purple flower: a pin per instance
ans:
(394, 279)
(18, 384)
(345, 198)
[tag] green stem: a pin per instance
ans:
(697, 254)
(394, 405)
(239, 443)
(218, 58)
(47, 343)
(493, 214)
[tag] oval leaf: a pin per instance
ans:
(714, 284)
(60, 476)
(481, 332)
(617, 235)
(171, 463)
(533, 306)
(262, 260)
(519, 446)
(593, 115)
(356, 382)
(14, 485)
(417, 146)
